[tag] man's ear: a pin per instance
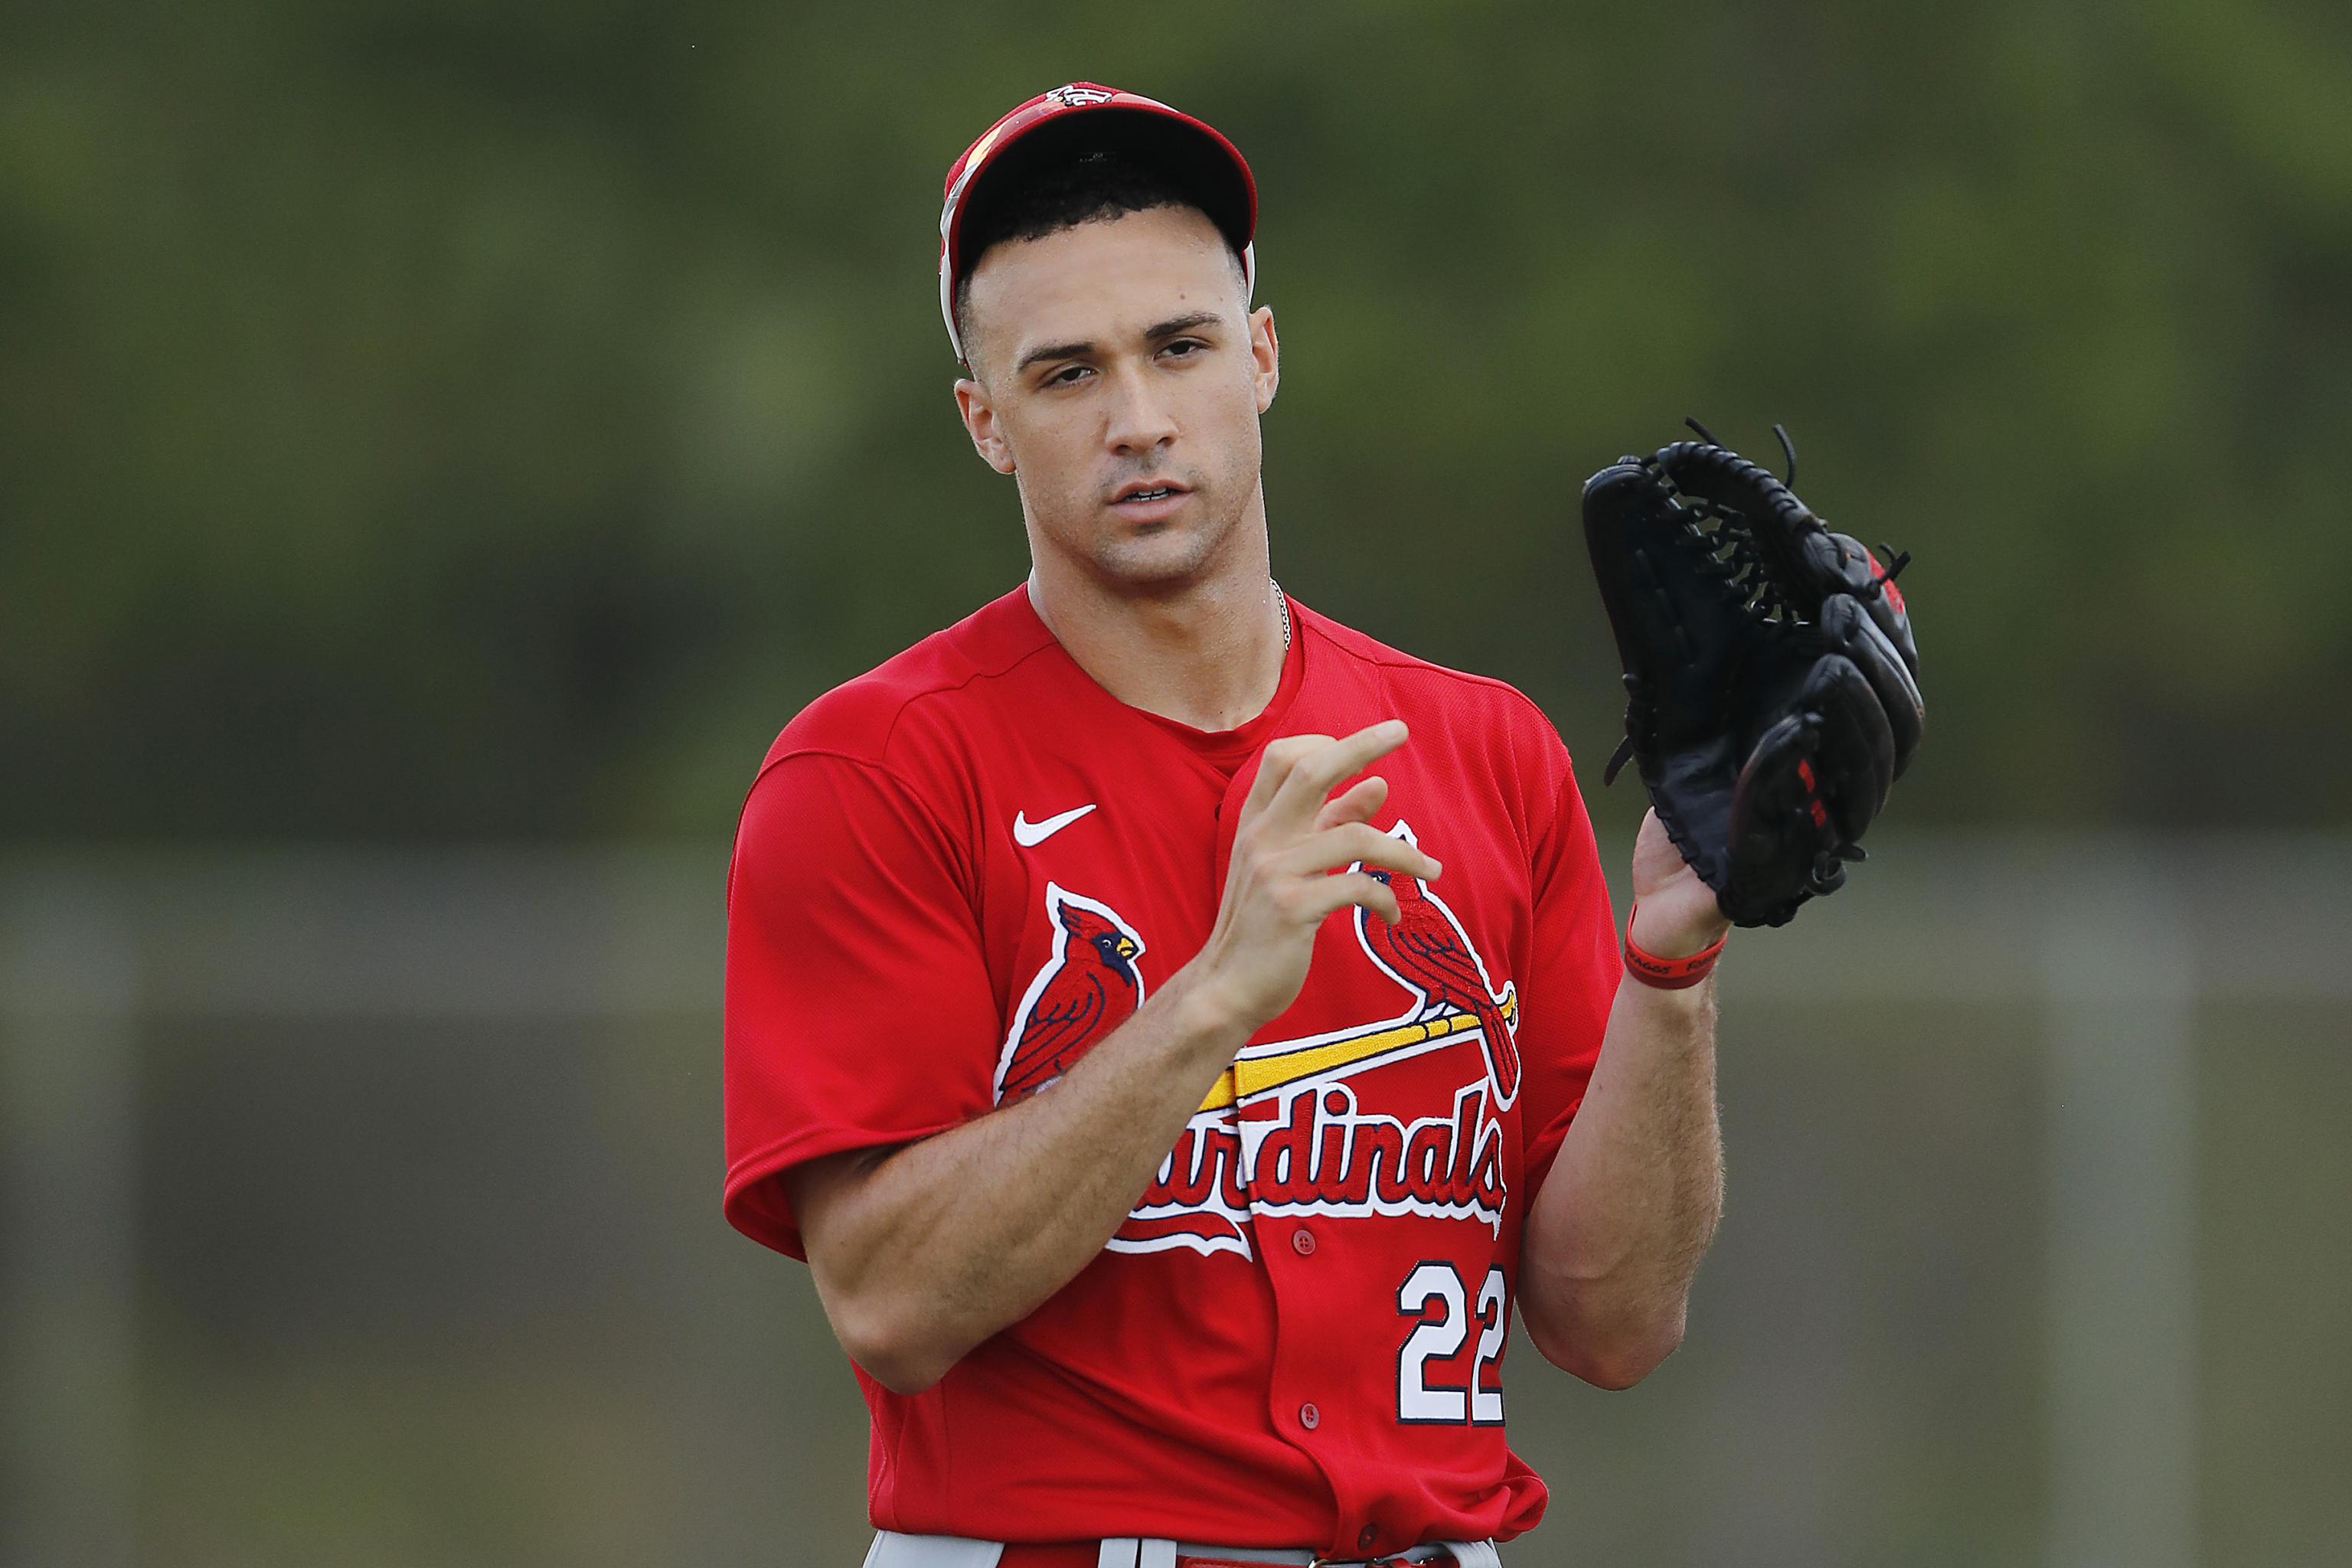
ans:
(1266, 355)
(979, 416)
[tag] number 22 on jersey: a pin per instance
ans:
(1434, 1296)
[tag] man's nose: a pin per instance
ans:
(1140, 421)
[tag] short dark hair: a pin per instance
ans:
(1095, 187)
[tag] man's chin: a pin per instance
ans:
(1160, 558)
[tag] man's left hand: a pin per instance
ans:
(1674, 911)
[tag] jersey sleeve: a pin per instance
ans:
(1575, 972)
(858, 1006)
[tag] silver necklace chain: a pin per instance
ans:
(1284, 600)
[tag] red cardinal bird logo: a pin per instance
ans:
(1428, 953)
(1090, 988)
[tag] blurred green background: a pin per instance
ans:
(438, 427)
(428, 420)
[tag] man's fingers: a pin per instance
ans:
(1393, 854)
(1358, 889)
(1359, 841)
(1314, 776)
(1356, 803)
(1274, 767)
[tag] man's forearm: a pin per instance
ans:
(1616, 1232)
(936, 1246)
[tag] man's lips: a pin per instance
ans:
(1148, 501)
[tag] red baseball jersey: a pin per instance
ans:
(957, 874)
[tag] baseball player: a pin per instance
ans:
(1178, 1031)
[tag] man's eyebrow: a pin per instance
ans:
(1054, 351)
(1175, 324)
(1167, 329)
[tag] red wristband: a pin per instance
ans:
(1669, 974)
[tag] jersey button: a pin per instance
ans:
(1309, 1416)
(1366, 1536)
(1302, 1242)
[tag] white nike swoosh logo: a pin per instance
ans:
(1029, 834)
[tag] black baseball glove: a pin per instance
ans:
(1772, 684)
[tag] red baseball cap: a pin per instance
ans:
(1086, 117)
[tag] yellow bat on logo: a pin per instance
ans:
(1249, 1077)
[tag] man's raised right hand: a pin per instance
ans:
(1293, 836)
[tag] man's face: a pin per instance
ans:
(1119, 373)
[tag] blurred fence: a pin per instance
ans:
(363, 1209)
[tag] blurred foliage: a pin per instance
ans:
(439, 418)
